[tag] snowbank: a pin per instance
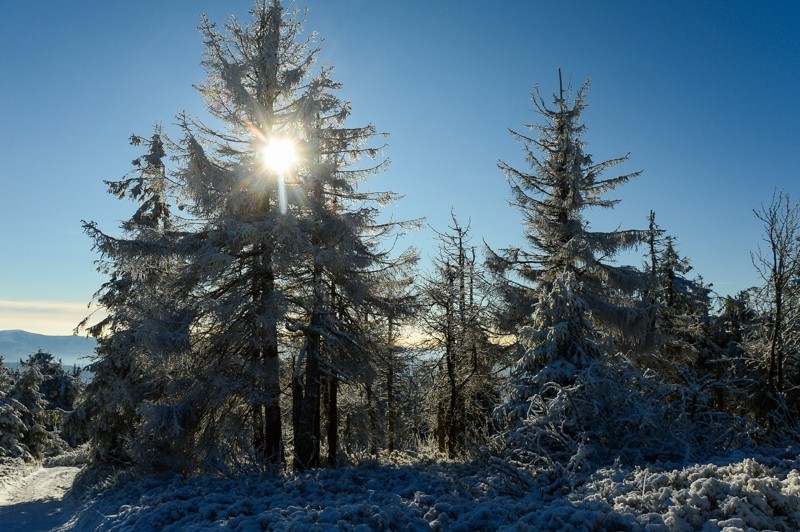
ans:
(73, 457)
(12, 470)
(735, 493)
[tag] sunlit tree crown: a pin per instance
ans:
(563, 182)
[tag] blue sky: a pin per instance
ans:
(702, 94)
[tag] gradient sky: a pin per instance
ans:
(704, 95)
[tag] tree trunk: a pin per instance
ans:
(651, 242)
(373, 424)
(306, 444)
(775, 342)
(333, 422)
(391, 415)
(273, 436)
(317, 427)
(450, 362)
(440, 430)
(266, 410)
(297, 405)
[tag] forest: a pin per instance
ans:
(263, 318)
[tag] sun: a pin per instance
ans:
(279, 155)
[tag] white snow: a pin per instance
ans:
(33, 498)
(11, 469)
(755, 491)
(45, 483)
(735, 493)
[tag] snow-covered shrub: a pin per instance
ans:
(573, 408)
(611, 412)
(744, 491)
(26, 392)
(12, 429)
(32, 411)
(71, 457)
(558, 345)
(12, 469)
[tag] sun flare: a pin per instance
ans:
(279, 155)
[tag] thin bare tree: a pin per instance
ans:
(778, 264)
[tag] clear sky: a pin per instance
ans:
(704, 95)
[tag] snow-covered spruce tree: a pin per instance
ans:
(59, 387)
(690, 345)
(12, 428)
(60, 390)
(239, 249)
(559, 343)
(457, 323)
(34, 416)
(329, 282)
(556, 347)
(571, 405)
(682, 316)
(268, 247)
(738, 330)
(563, 183)
(396, 306)
(338, 263)
(130, 362)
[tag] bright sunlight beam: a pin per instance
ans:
(279, 155)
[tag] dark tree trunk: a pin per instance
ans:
(333, 422)
(775, 376)
(266, 410)
(317, 427)
(391, 414)
(306, 443)
(440, 430)
(273, 435)
(373, 423)
(297, 405)
(450, 362)
(651, 242)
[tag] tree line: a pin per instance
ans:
(261, 318)
(35, 399)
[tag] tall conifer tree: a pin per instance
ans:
(128, 364)
(267, 251)
(553, 195)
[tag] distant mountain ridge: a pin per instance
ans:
(17, 344)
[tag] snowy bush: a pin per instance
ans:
(573, 408)
(558, 345)
(12, 429)
(70, 457)
(610, 413)
(742, 491)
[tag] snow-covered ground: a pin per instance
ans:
(739, 492)
(756, 491)
(32, 498)
(11, 469)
